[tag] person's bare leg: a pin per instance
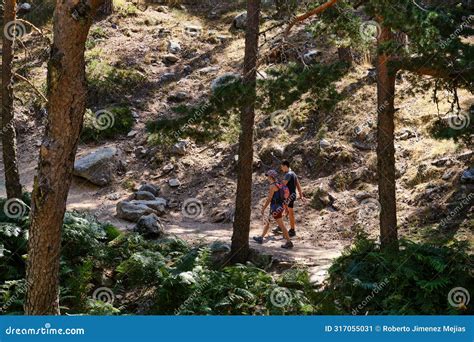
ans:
(281, 224)
(291, 215)
(266, 228)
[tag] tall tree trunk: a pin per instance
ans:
(386, 147)
(243, 203)
(107, 7)
(66, 106)
(12, 176)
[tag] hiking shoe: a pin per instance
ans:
(287, 245)
(258, 239)
(277, 230)
(291, 233)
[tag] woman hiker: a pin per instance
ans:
(276, 201)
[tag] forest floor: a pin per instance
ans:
(207, 171)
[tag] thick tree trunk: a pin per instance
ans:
(66, 106)
(243, 202)
(10, 162)
(107, 7)
(386, 147)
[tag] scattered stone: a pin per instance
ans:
(113, 197)
(225, 80)
(168, 77)
(222, 215)
(240, 21)
(311, 56)
(168, 168)
(158, 204)
(154, 190)
(174, 47)
(144, 195)
(24, 8)
(98, 166)
(466, 157)
(362, 195)
(174, 183)
(132, 134)
(150, 226)
(170, 58)
(323, 143)
(132, 211)
(193, 30)
(362, 146)
(442, 162)
(406, 134)
(179, 148)
(468, 176)
(448, 175)
(208, 69)
(162, 9)
(179, 96)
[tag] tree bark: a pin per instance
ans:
(66, 106)
(107, 7)
(243, 202)
(386, 146)
(10, 162)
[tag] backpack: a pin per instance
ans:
(283, 193)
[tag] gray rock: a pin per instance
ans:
(240, 21)
(193, 30)
(150, 226)
(158, 204)
(447, 175)
(98, 166)
(223, 215)
(406, 134)
(225, 80)
(323, 143)
(179, 148)
(168, 168)
(362, 195)
(466, 157)
(174, 47)
(468, 176)
(174, 183)
(208, 69)
(154, 190)
(132, 211)
(144, 195)
(442, 162)
(168, 77)
(311, 56)
(24, 7)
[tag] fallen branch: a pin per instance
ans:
(305, 16)
(31, 85)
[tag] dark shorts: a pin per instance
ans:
(277, 212)
(292, 199)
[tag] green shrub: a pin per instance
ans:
(143, 268)
(416, 280)
(107, 123)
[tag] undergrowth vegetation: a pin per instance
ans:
(107, 123)
(168, 276)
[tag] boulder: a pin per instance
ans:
(225, 80)
(98, 166)
(132, 211)
(144, 195)
(179, 96)
(158, 204)
(222, 215)
(154, 190)
(150, 226)
(240, 21)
